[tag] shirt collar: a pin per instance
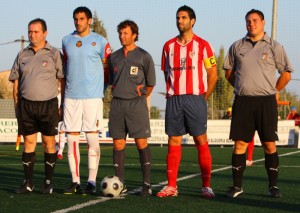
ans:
(265, 38)
(47, 46)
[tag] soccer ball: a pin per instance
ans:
(111, 186)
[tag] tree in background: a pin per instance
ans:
(154, 112)
(5, 87)
(222, 96)
(98, 27)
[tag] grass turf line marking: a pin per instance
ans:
(103, 199)
(89, 203)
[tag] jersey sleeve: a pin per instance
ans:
(14, 73)
(164, 58)
(110, 71)
(229, 59)
(59, 64)
(63, 45)
(150, 70)
(282, 62)
(209, 56)
(104, 49)
(107, 53)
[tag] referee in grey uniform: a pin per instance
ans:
(35, 74)
(132, 76)
(251, 65)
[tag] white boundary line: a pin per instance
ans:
(89, 203)
(103, 199)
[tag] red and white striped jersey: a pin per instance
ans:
(185, 66)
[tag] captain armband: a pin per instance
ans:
(210, 62)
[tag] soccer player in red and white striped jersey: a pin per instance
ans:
(190, 71)
(185, 65)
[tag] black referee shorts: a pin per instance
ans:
(250, 113)
(37, 116)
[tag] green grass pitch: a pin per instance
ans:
(255, 184)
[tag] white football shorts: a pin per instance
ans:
(61, 126)
(83, 115)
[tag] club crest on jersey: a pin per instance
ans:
(192, 54)
(93, 43)
(45, 64)
(134, 70)
(79, 44)
(264, 56)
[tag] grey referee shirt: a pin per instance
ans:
(130, 75)
(255, 66)
(38, 73)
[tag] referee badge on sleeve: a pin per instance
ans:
(134, 70)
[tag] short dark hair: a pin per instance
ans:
(258, 12)
(84, 10)
(189, 10)
(133, 26)
(41, 21)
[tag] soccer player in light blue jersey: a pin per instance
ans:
(84, 51)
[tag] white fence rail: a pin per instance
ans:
(217, 131)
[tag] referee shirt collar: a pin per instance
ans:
(47, 46)
(265, 38)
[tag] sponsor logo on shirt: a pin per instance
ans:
(182, 62)
(183, 66)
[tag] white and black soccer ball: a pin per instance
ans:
(111, 186)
